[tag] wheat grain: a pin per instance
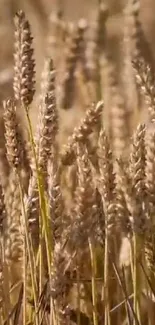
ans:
(24, 63)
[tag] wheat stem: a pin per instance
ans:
(94, 293)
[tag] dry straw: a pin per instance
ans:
(77, 226)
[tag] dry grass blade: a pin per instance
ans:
(129, 305)
(18, 307)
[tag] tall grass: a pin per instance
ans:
(77, 216)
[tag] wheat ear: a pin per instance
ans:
(24, 63)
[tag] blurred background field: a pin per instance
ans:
(39, 12)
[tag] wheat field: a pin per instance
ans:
(77, 175)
